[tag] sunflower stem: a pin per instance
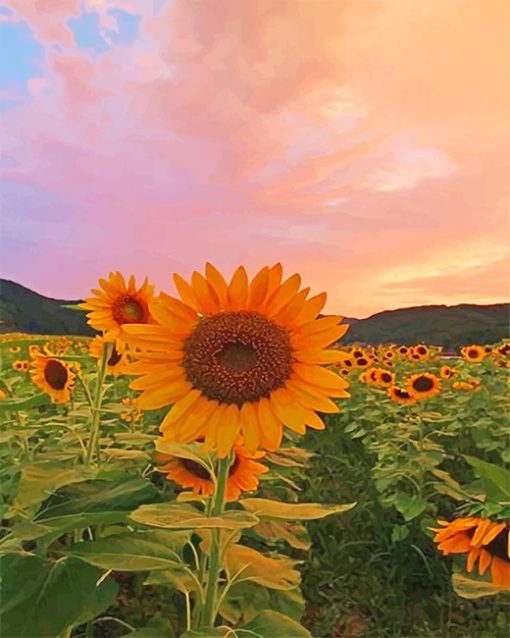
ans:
(209, 615)
(96, 407)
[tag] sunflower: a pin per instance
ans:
(53, 376)
(473, 353)
(423, 385)
(504, 350)
(25, 364)
(421, 351)
(399, 395)
(403, 350)
(117, 359)
(447, 373)
(361, 362)
(243, 473)
(384, 378)
(371, 375)
(15, 349)
(472, 384)
(118, 304)
(482, 540)
(238, 357)
(18, 365)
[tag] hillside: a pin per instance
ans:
(22, 310)
(448, 326)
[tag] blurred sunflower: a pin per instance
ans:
(238, 357)
(118, 304)
(117, 360)
(15, 349)
(421, 351)
(17, 365)
(53, 376)
(243, 473)
(384, 378)
(423, 385)
(400, 395)
(471, 384)
(482, 540)
(473, 353)
(447, 373)
(504, 350)
(403, 350)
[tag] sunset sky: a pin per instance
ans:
(361, 143)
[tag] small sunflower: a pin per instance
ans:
(53, 376)
(371, 375)
(503, 350)
(15, 349)
(423, 385)
(238, 358)
(447, 373)
(117, 360)
(399, 395)
(243, 473)
(18, 365)
(384, 378)
(421, 351)
(403, 350)
(118, 304)
(484, 541)
(361, 362)
(473, 353)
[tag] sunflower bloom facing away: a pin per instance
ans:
(483, 541)
(117, 304)
(243, 473)
(473, 353)
(399, 395)
(117, 359)
(243, 357)
(53, 376)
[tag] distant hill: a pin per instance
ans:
(22, 310)
(448, 326)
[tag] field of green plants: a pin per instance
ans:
(109, 530)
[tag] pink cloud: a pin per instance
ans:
(348, 140)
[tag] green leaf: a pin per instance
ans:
(472, 588)
(98, 601)
(186, 517)
(155, 628)
(496, 480)
(176, 578)
(132, 551)
(25, 404)
(272, 624)
(43, 598)
(217, 632)
(294, 533)
(40, 480)
(267, 509)
(399, 533)
(409, 506)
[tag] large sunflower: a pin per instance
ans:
(117, 359)
(238, 357)
(53, 376)
(243, 473)
(423, 385)
(118, 304)
(482, 540)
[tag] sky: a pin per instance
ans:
(363, 144)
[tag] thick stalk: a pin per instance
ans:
(96, 407)
(209, 615)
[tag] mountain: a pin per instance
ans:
(447, 326)
(22, 310)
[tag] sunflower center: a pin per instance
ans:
(55, 374)
(235, 357)
(115, 357)
(422, 350)
(473, 353)
(499, 546)
(402, 394)
(423, 384)
(129, 309)
(196, 469)
(385, 377)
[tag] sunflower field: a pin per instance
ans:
(218, 464)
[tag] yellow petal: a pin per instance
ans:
(177, 307)
(311, 398)
(158, 378)
(292, 308)
(180, 408)
(314, 356)
(218, 283)
(318, 325)
(228, 430)
(282, 295)
(238, 289)
(205, 294)
(310, 310)
(321, 339)
(158, 397)
(271, 430)
(186, 292)
(288, 410)
(250, 427)
(211, 429)
(320, 377)
(258, 289)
